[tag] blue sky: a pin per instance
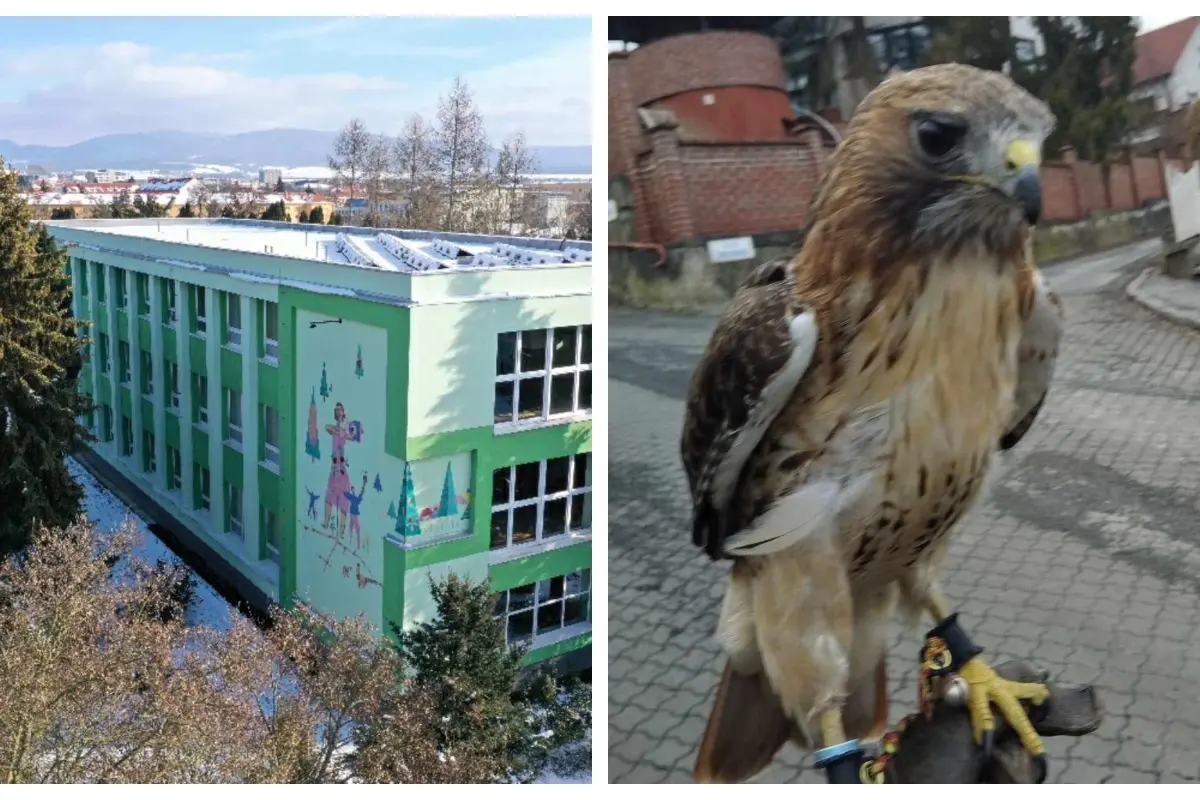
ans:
(63, 80)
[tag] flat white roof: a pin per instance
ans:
(370, 248)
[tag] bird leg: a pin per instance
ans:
(841, 759)
(949, 649)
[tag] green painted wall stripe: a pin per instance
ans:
(554, 650)
(541, 566)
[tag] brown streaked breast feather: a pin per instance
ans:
(1038, 353)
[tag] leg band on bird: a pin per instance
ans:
(842, 762)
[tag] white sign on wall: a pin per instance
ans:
(612, 210)
(722, 250)
(1183, 192)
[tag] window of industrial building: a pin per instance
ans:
(143, 295)
(106, 421)
(168, 290)
(199, 399)
(202, 496)
(101, 284)
(122, 294)
(201, 305)
(105, 360)
(123, 361)
(543, 375)
(233, 496)
(172, 370)
(545, 607)
(270, 436)
(271, 534)
(148, 456)
(540, 501)
(175, 469)
(147, 374)
(233, 402)
(271, 331)
(126, 437)
(233, 320)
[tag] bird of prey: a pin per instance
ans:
(848, 410)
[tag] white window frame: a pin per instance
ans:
(172, 306)
(137, 283)
(270, 344)
(149, 373)
(104, 345)
(233, 333)
(126, 430)
(270, 517)
(175, 465)
(152, 461)
(233, 401)
(201, 400)
(270, 443)
(205, 489)
(201, 319)
(236, 526)
(106, 419)
(122, 289)
(576, 492)
(124, 363)
(539, 636)
(174, 378)
(547, 372)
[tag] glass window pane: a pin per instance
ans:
(562, 394)
(506, 354)
(564, 347)
(556, 474)
(530, 400)
(554, 518)
(581, 477)
(577, 503)
(504, 402)
(533, 350)
(550, 617)
(556, 586)
(500, 484)
(524, 524)
(576, 582)
(527, 480)
(585, 391)
(576, 611)
(499, 529)
(501, 604)
(520, 627)
(585, 357)
(521, 596)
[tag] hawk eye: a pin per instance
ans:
(939, 137)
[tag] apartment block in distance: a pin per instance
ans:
(337, 415)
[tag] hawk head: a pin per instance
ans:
(939, 158)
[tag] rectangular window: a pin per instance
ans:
(199, 399)
(270, 436)
(122, 294)
(233, 496)
(175, 467)
(101, 283)
(271, 331)
(271, 534)
(105, 360)
(233, 319)
(123, 361)
(172, 370)
(202, 496)
(545, 607)
(543, 374)
(106, 419)
(126, 437)
(83, 278)
(148, 455)
(233, 409)
(143, 295)
(172, 314)
(201, 310)
(147, 374)
(540, 501)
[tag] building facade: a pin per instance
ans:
(338, 415)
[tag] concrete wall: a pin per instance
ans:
(1184, 190)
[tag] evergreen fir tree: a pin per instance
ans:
(324, 382)
(449, 504)
(335, 218)
(392, 510)
(186, 211)
(63, 213)
(317, 215)
(302, 216)
(39, 360)
(462, 658)
(408, 519)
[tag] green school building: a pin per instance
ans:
(337, 415)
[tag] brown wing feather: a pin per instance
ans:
(1038, 352)
(751, 347)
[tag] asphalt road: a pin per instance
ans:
(1085, 559)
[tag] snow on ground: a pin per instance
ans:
(108, 512)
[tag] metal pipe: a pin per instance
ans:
(657, 248)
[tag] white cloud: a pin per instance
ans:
(124, 87)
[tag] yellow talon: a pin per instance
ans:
(985, 687)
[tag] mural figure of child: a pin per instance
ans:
(339, 476)
(355, 501)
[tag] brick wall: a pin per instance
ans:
(1072, 189)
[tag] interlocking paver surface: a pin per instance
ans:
(1085, 559)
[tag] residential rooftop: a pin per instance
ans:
(381, 249)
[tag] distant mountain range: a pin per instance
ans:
(177, 150)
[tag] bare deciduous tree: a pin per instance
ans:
(377, 164)
(513, 166)
(416, 165)
(350, 151)
(579, 218)
(460, 147)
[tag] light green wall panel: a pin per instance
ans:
(522, 571)
(418, 599)
(452, 358)
(231, 369)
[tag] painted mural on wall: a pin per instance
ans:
(351, 493)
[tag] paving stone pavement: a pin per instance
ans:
(1084, 560)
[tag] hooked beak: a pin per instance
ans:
(1023, 183)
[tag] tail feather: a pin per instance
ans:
(746, 728)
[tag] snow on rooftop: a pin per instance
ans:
(369, 249)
